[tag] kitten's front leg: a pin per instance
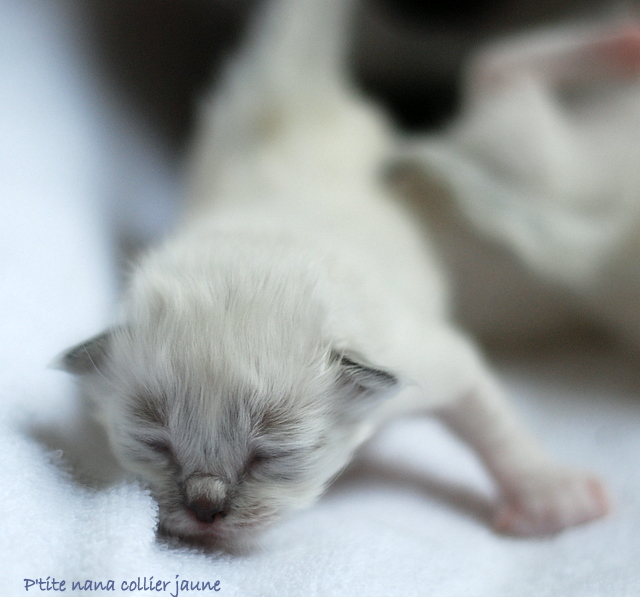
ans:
(539, 496)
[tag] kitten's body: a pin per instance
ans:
(296, 309)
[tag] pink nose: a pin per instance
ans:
(205, 510)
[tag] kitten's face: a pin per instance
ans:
(222, 468)
(228, 437)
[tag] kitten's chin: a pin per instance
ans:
(222, 535)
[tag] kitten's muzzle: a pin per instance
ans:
(205, 496)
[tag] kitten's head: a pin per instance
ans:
(233, 407)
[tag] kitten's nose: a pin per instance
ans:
(205, 510)
(205, 496)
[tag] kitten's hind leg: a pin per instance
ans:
(537, 495)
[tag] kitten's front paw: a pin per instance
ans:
(550, 501)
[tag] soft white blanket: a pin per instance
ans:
(410, 518)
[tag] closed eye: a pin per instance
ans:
(281, 465)
(258, 458)
(160, 447)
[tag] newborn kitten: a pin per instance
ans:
(543, 162)
(296, 309)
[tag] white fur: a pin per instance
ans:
(543, 161)
(295, 310)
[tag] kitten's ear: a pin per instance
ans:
(85, 357)
(363, 379)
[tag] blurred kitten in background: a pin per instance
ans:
(541, 167)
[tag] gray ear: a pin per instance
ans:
(86, 357)
(364, 378)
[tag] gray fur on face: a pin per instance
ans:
(225, 451)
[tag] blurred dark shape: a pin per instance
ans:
(164, 53)
(452, 13)
(407, 53)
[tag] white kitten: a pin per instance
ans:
(543, 161)
(296, 310)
